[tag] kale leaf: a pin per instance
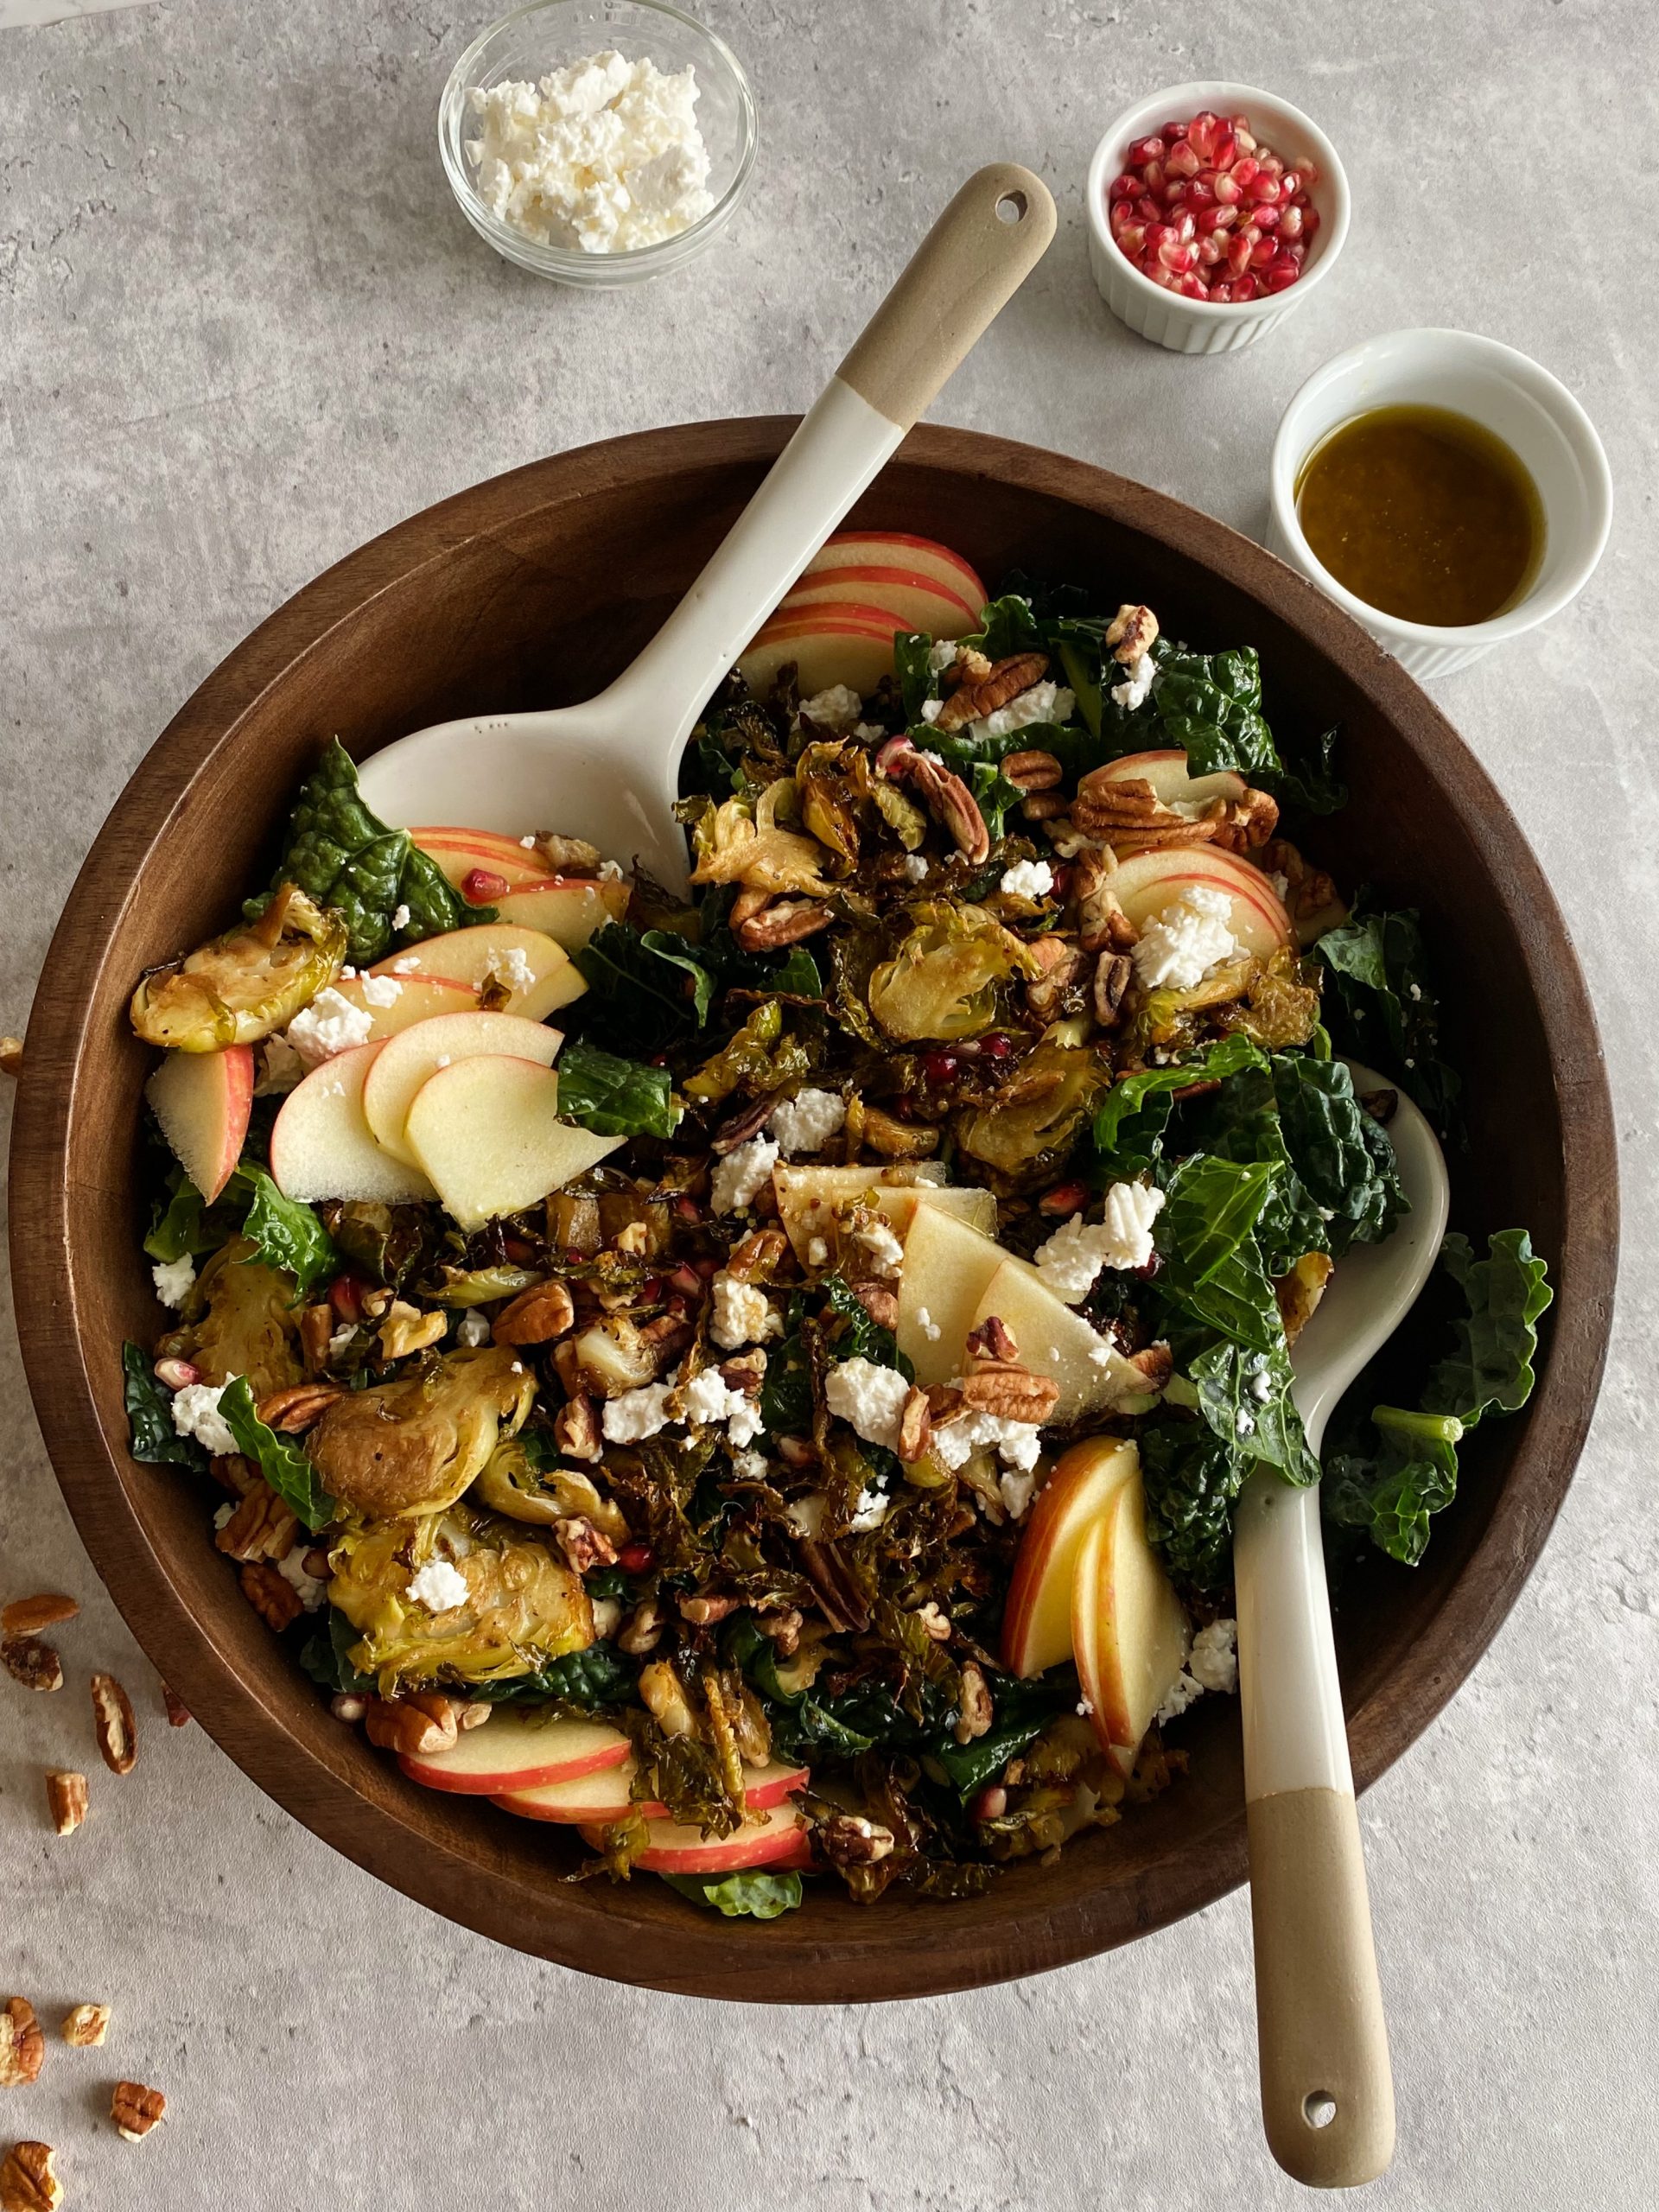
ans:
(1386, 1011)
(152, 1437)
(647, 989)
(1020, 1710)
(614, 1097)
(751, 1895)
(1340, 1156)
(288, 1470)
(595, 1680)
(1191, 1480)
(1245, 1397)
(1212, 1267)
(344, 856)
(326, 1654)
(286, 1234)
(1210, 706)
(1130, 1120)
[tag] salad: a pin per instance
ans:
(760, 1377)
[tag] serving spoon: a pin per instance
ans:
(608, 771)
(1327, 2092)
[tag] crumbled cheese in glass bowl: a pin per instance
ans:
(597, 142)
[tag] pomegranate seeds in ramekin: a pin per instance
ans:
(1205, 209)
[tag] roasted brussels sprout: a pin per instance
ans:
(941, 985)
(509, 1484)
(412, 1446)
(735, 843)
(759, 1055)
(1023, 1130)
(524, 1606)
(245, 984)
(249, 1325)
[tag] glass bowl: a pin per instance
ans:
(549, 35)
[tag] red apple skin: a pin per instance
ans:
(203, 1102)
(944, 613)
(779, 1843)
(1077, 1490)
(761, 1794)
(458, 852)
(884, 545)
(1117, 1625)
(831, 615)
(1144, 877)
(531, 1757)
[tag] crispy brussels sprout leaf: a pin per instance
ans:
(248, 1325)
(942, 983)
(245, 984)
(413, 1446)
(390, 1244)
(286, 1468)
(1026, 1129)
(511, 1483)
(755, 1896)
(152, 1437)
(760, 1056)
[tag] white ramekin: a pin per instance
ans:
(1206, 325)
(1533, 414)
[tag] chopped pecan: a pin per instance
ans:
(27, 2181)
(233, 1472)
(782, 1629)
(705, 1612)
(29, 1616)
(1299, 1292)
(1156, 1363)
(136, 2110)
(263, 1526)
(1101, 921)
(317, 1326)
(746, 1373)
(935, 1621)
(759, 1256)
(113, 1724)
(1310, 894)
(31, 1662)
(66, 1799)
(840, 1600)
(1003, 681)
(663, 1694)
(84, 2026)
(582, 1544)
(1131, 632)
(575, 1430)
(1045, 806)
(666, 1338)
(178, 1713)
(749, 1121)
(915, 1427)
(1113, 972)
(275, 1600)
(992, 1339)
(851, 1839)
(1062, 966)
(537, 1316)
(974, 1718)
(1033, 771)
(412, 1725)
(896, 1139)
(633, 1238)
(22, 2047)
(786, 921)
(952, 803)
(880, 1302)
(945, 1401)
(969, 666)
(643, 1630)
(1248, 823)
(294, 1410)
(406, 1329)
(568, 855)
(1011, 1392)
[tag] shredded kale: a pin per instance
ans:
(288, 1470)
(596, 1680)
(613, 1096)
(326, 1654)
(1020, 1710)
(152, 1437)
(1130, 1120)
(1387, 1013)
(647, 989)
(753, 1896)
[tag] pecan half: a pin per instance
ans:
(992, 1339)
(575, 1430)
(136, 2110)
(851, 1839)
(113, 1724)
(412, 1725)
(896, 1139)
(759, 1256)
(1045, 806)
(263, 1526)
(537, 1316)
(1113, 972)
(915, 1427)
(31, 1662)
(786, 921)
(275, 1599)
(953, 805)
(1033, 771)
(974, 1718)
(1011, 1392)
(1005, 680)
(27, 2181)
(84, 2026)
(294, 1410)
(22, 2047)
(582, 1544)
(406, 1329)
(1131, 632)
(66, 1799)
(29, 1616)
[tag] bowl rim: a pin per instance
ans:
(1290, 449)
(775, 1962)
(563, 262)
(1210, 92)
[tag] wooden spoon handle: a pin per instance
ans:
(1327, 2092)
(960, 278)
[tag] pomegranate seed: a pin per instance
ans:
(1177, 257)
(1193, 286)
(176, 1374)
(1149, 209)
(1123, 187)
(991, 1803)
(1214, 218)
(1244, 287)
(1290, 222)
(1271, 165)
(1159, 234)
(1244, 173)
(1199, 195)
(1119, 217)
(1226, 149)
(1166, 278)
(1132, 240)
(1209, 251)
(1222, 294)
(940, 1067)
(1176, 193)
(1185, 228)
(651, 1290)
(1243, 134)
(890, 758)
(1297, 252)
(997, 1045)
(1183, 162)
(1307, 168)
(1145, 150)
(1153, 177)
(1170, 131)
(635, 1559)
(1264, 188)
(1064, 1199)
(1238, 254)
(346, 1296)
(1261, 253)
(1228, 192)
(480, 886)
(1282, 273)
(1146, 1274)
(1206, 129)
(1310, 222)
(687, 1209)
(1265, 218)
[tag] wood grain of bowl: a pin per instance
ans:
(534, 589)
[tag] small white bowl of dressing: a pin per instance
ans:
(1501, 392)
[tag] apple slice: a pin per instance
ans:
(601, 1798)
(461, 852)
(487, 1132)
(1146, 883)
(202, 1100)
(535, 972)
(1128, 1629)
(808, 1199)
(1165, 773)
(418, 1053)
(893, 548)
(828, 648)
(1037, 1618)
(568, 908)
(1055, 1340)
(948, 1264)
(920, 602)
(396, 1002)
(777, 1838)
(512, 1751)
(320, 1143)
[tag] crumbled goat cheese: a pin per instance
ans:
(807, 1122)
(929, 1327)
(512, 969)
(869, 732)
(602, 156)
(870, 1399)
(742, 1175)
(742, 1314)
(1016, 1441)
(1071, 1259)
(1016, 1490)
(817, 1251)
(529, 842)
(870, 1511)
(1182, 1691)
(931, 710)
(607, 1618)
(1085, 1707)
(1211, 1664)
(471, 1328)
(915, 866)
(887, 1253)
(341, 1339)
(636, 1413)
(706, 1397)
(1043, 702)
(173, 1278)
(400, 914)
(1261, 1383)
(1027, 880)
(1132, 692)
(408, 965)
(280, 1068)
(1280, 883)
(749, 1466)
(331, 1023)
(1244, 1422)
(838, 707)
(438, 1586)
(942, 654)
(609, 872)
(1189, 937)
(195, 1413)
(225, 1516)
(307, 1587)
(381, 991)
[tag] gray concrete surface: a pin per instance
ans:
(242, 328)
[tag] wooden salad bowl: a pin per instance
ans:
(535, 590)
